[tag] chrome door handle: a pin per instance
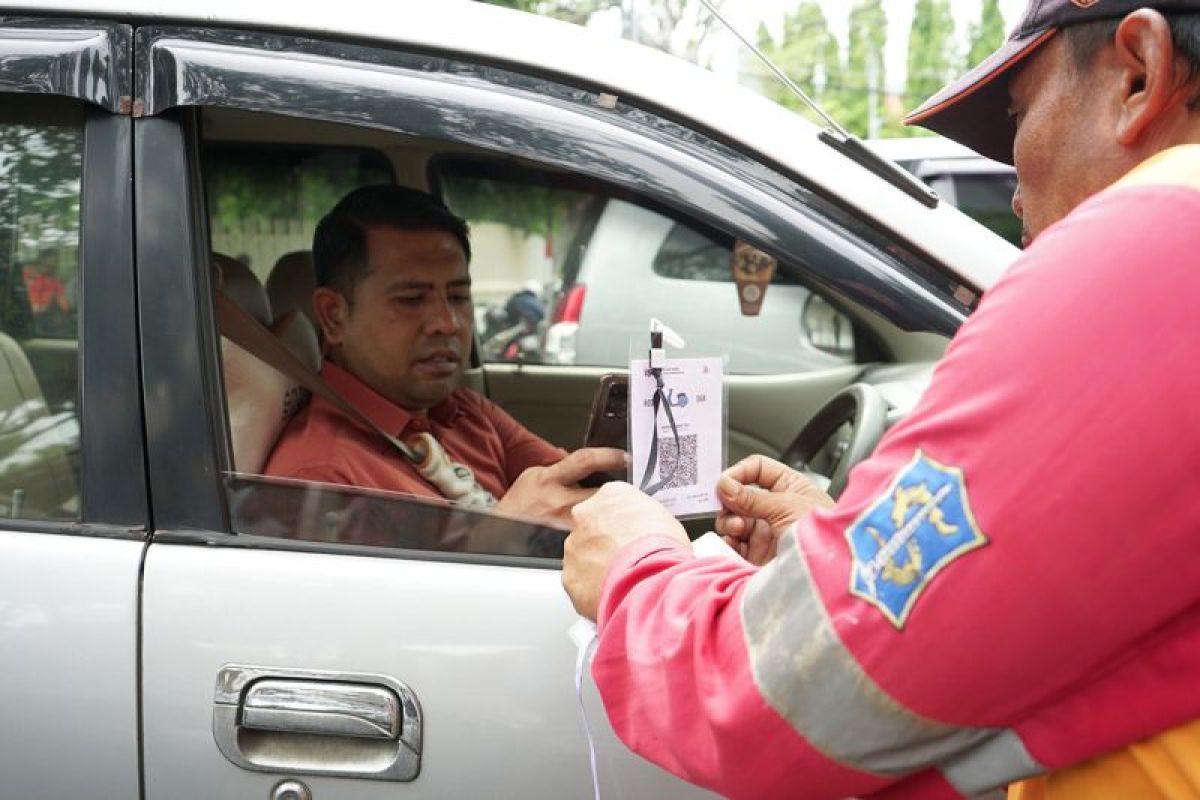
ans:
(317, 723)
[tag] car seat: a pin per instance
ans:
(260, 399)
(37, 476)
(291, 284)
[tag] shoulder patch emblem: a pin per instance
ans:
(909, 535)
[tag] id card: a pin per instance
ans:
(681, 468)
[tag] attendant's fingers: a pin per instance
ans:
(760, 543)
(731, 525)
(759, 470)
(754, 503)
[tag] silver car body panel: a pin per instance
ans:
(484, 650)
(68, 645)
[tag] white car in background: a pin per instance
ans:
(978, 186)
(177, 625)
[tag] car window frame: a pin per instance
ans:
(88, 61)
(500, 110)
(181, 71)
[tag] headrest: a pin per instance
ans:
(242, 287)
(299, 336)
(291, 285)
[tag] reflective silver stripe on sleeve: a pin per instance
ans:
(999, 760)
(805, 673)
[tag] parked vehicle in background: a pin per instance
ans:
(978, 186)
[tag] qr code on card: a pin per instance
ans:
(679, 463)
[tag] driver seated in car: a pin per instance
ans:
(393, 301)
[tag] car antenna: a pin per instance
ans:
(835, 135)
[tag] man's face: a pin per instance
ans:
(1063, 148)
(407, 333)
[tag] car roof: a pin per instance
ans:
(530, 43)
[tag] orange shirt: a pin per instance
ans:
(323, 444)
(1165, 767)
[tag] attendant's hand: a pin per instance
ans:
(618, 515)
(761, 498)
(548, 494)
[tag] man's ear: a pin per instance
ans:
(331, 310)
(1152, 84)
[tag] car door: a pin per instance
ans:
(363, 644)
(72, 479)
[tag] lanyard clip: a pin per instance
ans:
(660, 333)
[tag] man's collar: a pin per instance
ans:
(377, 408)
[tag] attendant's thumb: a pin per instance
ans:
(748, 501)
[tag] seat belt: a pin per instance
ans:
(455, 481)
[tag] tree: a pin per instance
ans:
(932, 52)
(520, 5)
(987, 34)
(679, 27)
(863, 86)
(809, 54)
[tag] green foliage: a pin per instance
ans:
(932, 50)
(987, 34)
(863, 89)
(40, 172)
(520, 5)
(40, 167)
(576, 11)
(809, 54)
(526, 207)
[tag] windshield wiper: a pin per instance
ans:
(838, 137)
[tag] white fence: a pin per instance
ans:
(260, 242)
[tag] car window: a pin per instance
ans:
(265, 201)
(571, 274)
(988, 199)
(41, 141)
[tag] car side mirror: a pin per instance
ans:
(752, 272)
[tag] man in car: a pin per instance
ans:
(394, 305)
(1009, 587)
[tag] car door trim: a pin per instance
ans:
(81, 58)
(113, 479)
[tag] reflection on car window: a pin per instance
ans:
(40, 170)
(988, 199)
(527, 241)
(318, 512)
(688, 254)
(264, 201)
(568, 271)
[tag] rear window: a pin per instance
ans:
(988, 199)
(265, 201)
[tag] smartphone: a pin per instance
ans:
(609, 423)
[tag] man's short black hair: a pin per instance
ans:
(1087, 39)
(340, 242)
